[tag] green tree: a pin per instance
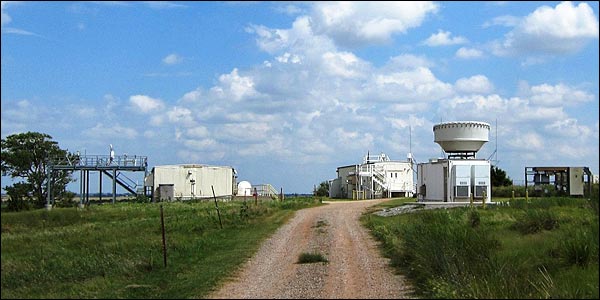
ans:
(499, 177)
(323, 189)
(25, 156)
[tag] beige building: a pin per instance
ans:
(191, 181)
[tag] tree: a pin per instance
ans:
(499, 177)
(323, 189)
(25, 156)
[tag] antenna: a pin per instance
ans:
(409, 139)
(496, 146)
(496, 150)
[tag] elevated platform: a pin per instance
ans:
(109, 165)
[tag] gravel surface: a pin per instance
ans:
(355, 267)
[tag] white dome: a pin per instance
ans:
(462, 136)
(244, 188)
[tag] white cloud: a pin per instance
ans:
(172, 59)
(569, 128)
(145, 104)
(557, 95)
(163, 4)
(289, 58)
(409, 61)
(5, 19)
(563, 29)
(508, 21)
(478, 84)
(108, 132)
(419, 84)
(198, 132)
(298, 39)
(468, 53)
(289, 9)
(244, 132)
(357, 23)
(527, 141)
(344, 64)
(181, 115)
(234, 87)
(443, 38)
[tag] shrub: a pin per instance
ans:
(577, 248)
(534, 220)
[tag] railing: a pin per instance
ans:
(264, 190)
(100, 161)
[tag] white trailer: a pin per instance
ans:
(191, 181)
(448, 180)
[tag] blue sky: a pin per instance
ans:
(286, 92)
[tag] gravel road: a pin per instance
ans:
(355, 267)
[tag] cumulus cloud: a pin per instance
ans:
(419, 84)
(478, 84)
(172, 59)
(555, 95)
(468, 53)
(563, 29)
(145, 104)
(568, 128)
(234, 87)
(357, 23)
(444, 38)
(104, 131)
(508, 21)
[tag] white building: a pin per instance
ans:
(460, 176)
(376, 177)
(191, 181)
(454, 180)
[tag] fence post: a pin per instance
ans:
(218, 212)
(255, 197)
(483, 200)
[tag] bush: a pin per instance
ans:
(534, 220)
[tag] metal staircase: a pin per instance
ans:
(125, 182)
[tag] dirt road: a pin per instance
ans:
(355, 268)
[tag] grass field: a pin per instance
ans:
(544, 248)
(115, 251)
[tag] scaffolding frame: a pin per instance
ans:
(557, 176)
(109, 165)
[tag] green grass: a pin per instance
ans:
(544, 248)
(115, 251)
(309, 258)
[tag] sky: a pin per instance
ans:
(286, 92)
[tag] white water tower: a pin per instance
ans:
(461, 139)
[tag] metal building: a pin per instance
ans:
(377, 177)
(191, 181)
